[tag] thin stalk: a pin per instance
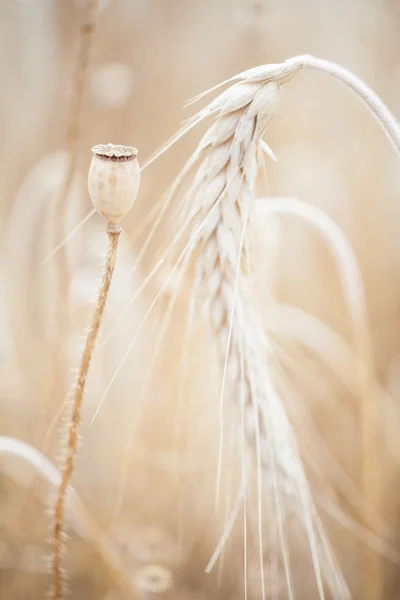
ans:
(369, 416)
(74, 423)
(365, 94)
(72, 140)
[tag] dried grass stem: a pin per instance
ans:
(71, 142)
(74, 422)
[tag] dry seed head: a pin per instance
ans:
(114, 178)
(154, 580)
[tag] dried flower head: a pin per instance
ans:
(114, 178)
(154, 580)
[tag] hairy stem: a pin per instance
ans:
(74, 423)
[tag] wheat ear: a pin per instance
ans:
(222, 191)
(221, 198)
(114, 178)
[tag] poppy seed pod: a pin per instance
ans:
(113, 181)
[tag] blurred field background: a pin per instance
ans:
(147, 465)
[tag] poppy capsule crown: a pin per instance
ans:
(113, 181)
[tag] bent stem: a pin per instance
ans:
(284, 72)
(370, 424)
(365, 94)
(74, 422)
